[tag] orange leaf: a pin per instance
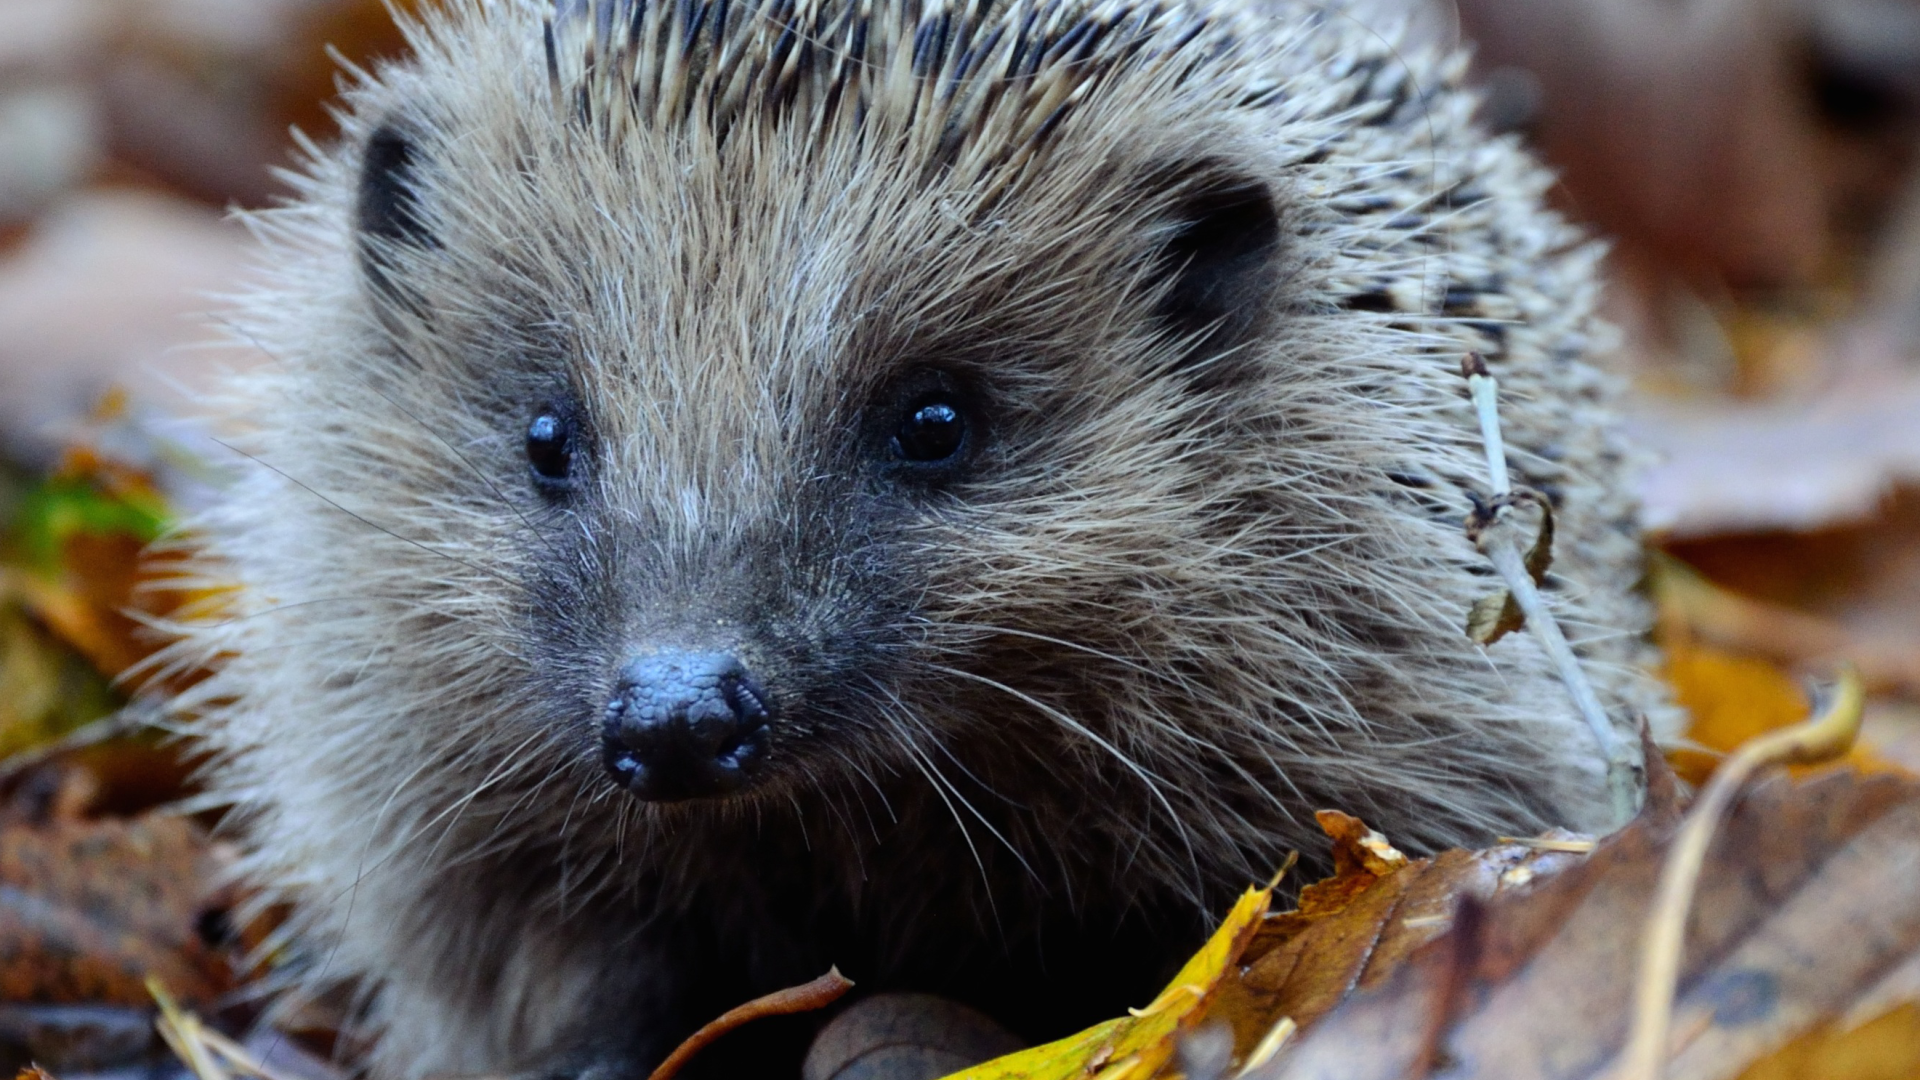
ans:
(1887, 1048)
(1733, 698)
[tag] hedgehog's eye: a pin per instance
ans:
(550, 450)
(934, 431)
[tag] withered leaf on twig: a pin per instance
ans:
(1498, 614)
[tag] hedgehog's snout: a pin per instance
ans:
(685, 725)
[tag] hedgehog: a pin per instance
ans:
(942, 488)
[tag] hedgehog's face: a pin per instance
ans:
(692, 712)
(811, 465)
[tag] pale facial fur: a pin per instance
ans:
(1197, 285)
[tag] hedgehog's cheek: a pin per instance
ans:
(686, 725)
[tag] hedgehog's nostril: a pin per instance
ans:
(685, 726)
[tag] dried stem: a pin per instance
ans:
(806, 997)
(1268, 1047)
(1500, 542)
(1486, 404)
(136, 716)
(208, 1054)
(1821, 738)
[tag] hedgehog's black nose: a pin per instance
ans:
(685, 725)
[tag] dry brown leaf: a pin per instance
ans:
(83, 573)
(1742, 468)
(90, 909)
(1678, 127)
(1352, 930)
(1812, 599)
(1811, 897)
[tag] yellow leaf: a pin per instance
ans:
(1139, 1045)
(1884, 1049)
(1732, 699)
(45, 689)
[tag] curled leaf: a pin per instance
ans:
(1498, 614)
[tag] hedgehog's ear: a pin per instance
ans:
(387, 209)
(1222, 249)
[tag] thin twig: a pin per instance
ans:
(1498, 539)
(201, 1048)
(178, 1028)
(1580, 846)
(806, 997)
(1268, 1047)
(133, 717)
(1821, 738)
(1486, 404)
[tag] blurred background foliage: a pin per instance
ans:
(1753, 162)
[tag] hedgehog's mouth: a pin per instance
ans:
(686, 725)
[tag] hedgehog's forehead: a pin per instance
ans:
(974, 84)
(686, 215)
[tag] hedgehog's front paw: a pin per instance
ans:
(905, 1037)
